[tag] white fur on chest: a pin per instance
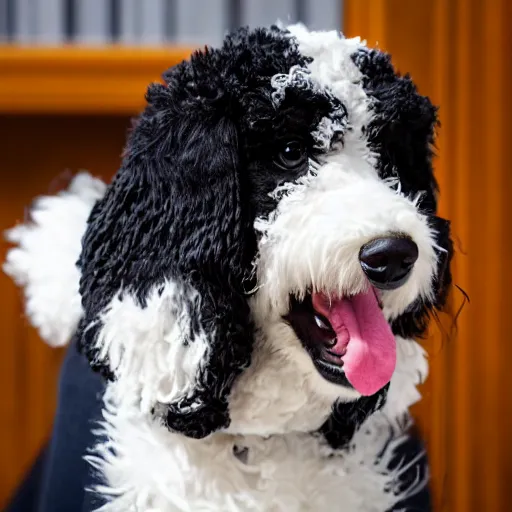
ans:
(147, 468)
(281, 392)
(156, 470)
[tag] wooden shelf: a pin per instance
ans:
(103, 80)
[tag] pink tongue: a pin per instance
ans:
(361, 330)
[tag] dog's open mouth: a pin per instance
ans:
(348, 338)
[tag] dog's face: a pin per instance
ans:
(271, 230)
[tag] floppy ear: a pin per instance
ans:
(402, 132)
(165, 257)
(402, 126)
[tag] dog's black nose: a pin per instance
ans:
(387, 262)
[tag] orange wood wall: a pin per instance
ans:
(459, 53)
(34, 150)
(62, 110)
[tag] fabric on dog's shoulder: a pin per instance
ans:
(67, 474)
(59, 480)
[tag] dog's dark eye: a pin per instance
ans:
(292, 156)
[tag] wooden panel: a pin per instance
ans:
(109, 80)
(35, 150)
(458, 52)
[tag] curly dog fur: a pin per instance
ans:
(250, 186)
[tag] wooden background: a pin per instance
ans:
(459, 53)
(34, 149)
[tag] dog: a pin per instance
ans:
(252, 281)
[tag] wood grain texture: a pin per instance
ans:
(38, 153)
(103, 80)
(458, 51)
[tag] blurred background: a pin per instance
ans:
(73, 72)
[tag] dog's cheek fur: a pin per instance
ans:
(171, 227)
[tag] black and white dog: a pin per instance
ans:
(252, 280)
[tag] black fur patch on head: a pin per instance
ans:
(401, 134)
(197, 170)
(269, 128)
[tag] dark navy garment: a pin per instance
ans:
(60, 476)
(58, 480)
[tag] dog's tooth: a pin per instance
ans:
(320, 323)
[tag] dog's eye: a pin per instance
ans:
(292, 156)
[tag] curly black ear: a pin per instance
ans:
(402, 127)
(165, 257)
(401, 132)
